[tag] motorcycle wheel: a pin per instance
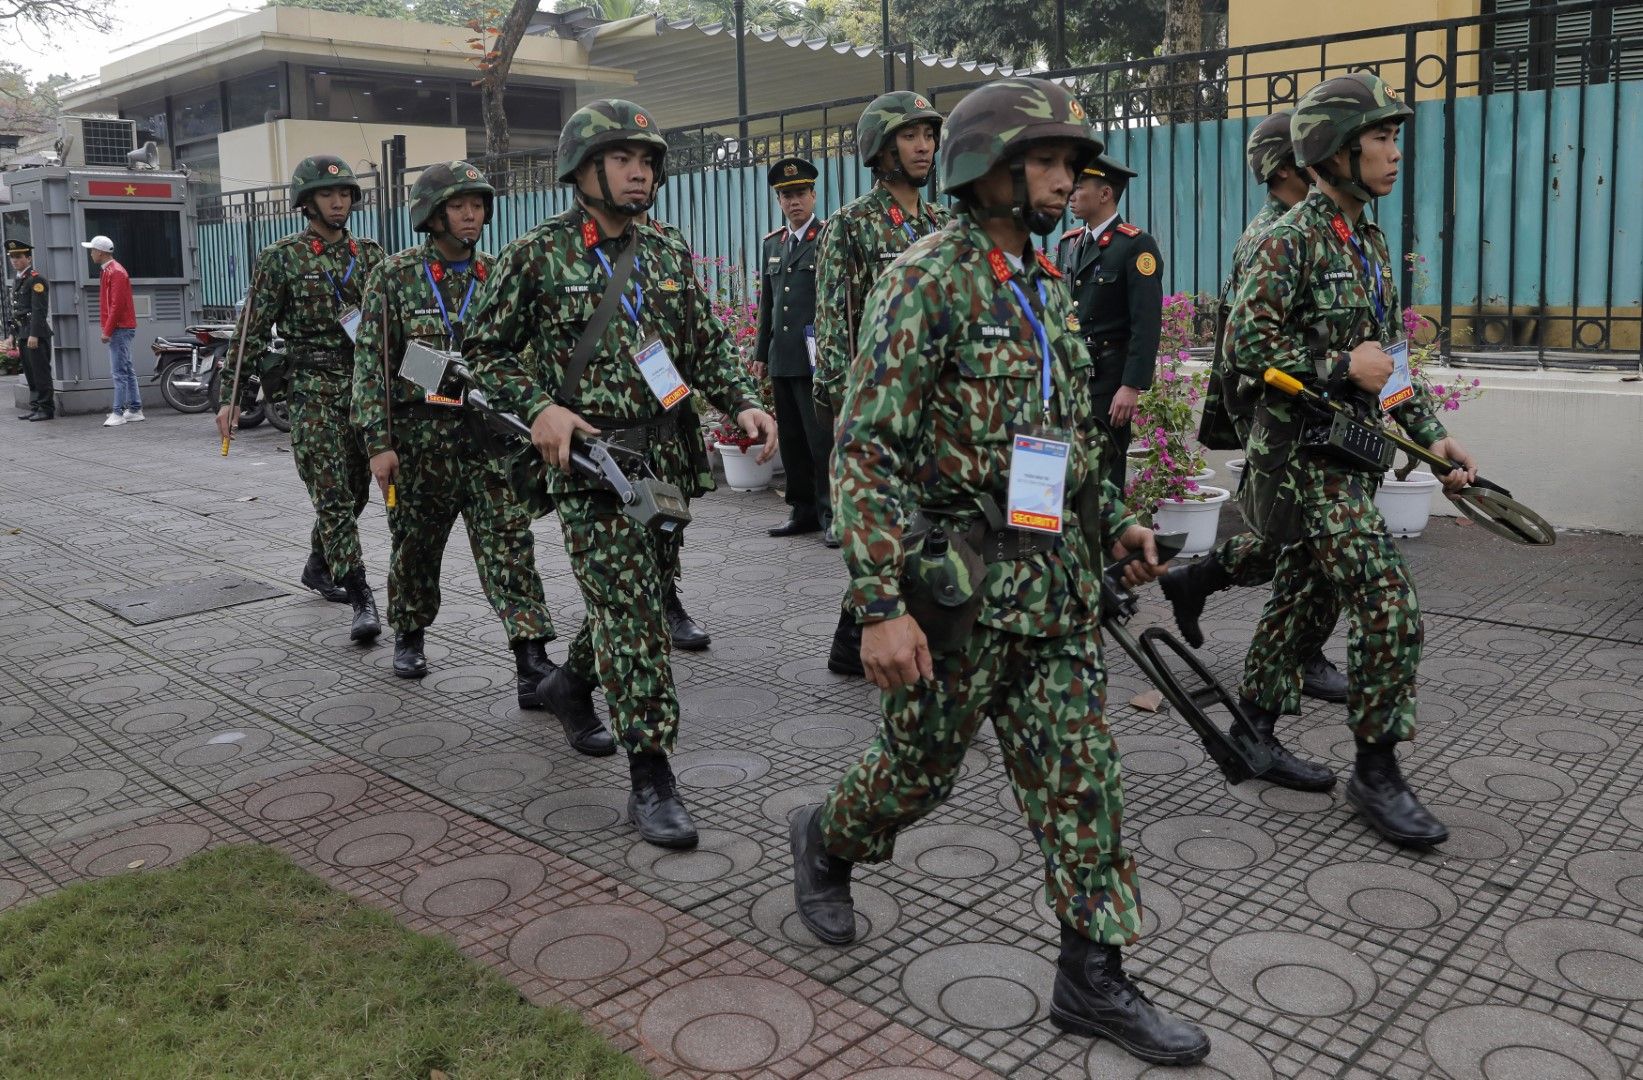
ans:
(278, 414)
(252, 414)
(185, 399)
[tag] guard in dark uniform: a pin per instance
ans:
(785, 347)
(31, 326)
(1116, 274)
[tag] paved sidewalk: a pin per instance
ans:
(1311, 949)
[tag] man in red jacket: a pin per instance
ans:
(119, 312)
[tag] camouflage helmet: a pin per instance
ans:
(1000, 119)
(1269, 148)
(887, 114)
(602, 123)
(321, 171)
(1330, 114)
(439, 184)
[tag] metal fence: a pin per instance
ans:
(1519, 188)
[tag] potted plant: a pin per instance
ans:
(1166, 488)
(739, 315)
(739, 451)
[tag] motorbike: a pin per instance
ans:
(189, 371)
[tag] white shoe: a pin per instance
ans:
(114, 420)
(134, 416)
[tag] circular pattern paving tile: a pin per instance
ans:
(1158, 755)
(1272, 797)
(1380, 894)
(773, 913)
(264, 771)
(1599, 695)
(117, 688)
(475, 679)
(722, 702)
(61, 793)
(1292, 974)
(1327, 744)
(718, 855)
(811, 672)
(1615, 876)
(582, 944)
(902, 1072)
(113, 819)
(13, 715)
(215, 747)
(1505, 641)
(31, 625)
(727, 1023)
(198, 641)
(488, 774)
(1620, 661)
(579, 810)
(1604, 961)
(81, 666)
(305, 796)
(811, 624)
(1160, 909)
(302, 618)
(708, 769)
(240, 661)
(1503, 1042)
(1475, 834)
(20, 754)
(744, 649)
(828, 731)
(781, 806)
(153, 845)
(382, 838)
(350, 710)
(473, 884)
(1531, 613)
(1561, 734)
(981, 985)
(1434, 707)
(11, 892)
(956, 852)
(37, 645)
(1465, 671)
(417, 740)
(294, 683)
(1230, 1058)
(1513, 779)
(1208, 842)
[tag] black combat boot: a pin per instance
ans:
(1093, 996)
(317, 576)
(654, 805)
(821, 882)
(531, 665)
(409, 662)
(1187, 587)
(1378, 792)
(1287, 770)
(367, 624)
(1323, 680)
(687, 635)
(570, 699)
(844, 658)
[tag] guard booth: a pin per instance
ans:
(150, 218)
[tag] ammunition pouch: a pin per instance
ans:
(941, 582)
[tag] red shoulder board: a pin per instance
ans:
(479, 270)
(1129, 230)
(590, 233)
(1049, 267)
(1073, 234)
(775, 231)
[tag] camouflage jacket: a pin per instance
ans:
(404, 285)
(856, 246)
(528, 316)
(949, 368)
(1300, 275)
(1239, 398)
(305, 285)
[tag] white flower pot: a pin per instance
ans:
(1407, 504)
(1198, 518)
(1235, 469)
(742, 470)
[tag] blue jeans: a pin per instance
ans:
(125, 379)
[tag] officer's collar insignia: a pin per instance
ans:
(1106, 238)
(317, 245)
(669, 285)
(811, 235)
(590, 233)
(479, 270)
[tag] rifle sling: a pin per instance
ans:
(582, 354)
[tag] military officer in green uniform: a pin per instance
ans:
(1318, 300)
(31, 329)
(896, 138)
(311, 284)
(1246, 559)
(1116, 274)
(786, 341)
(431, 451)
(968, 379)
(537, 350)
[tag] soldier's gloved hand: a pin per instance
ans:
(228, 421)
(1142, 570)
(1370, 367)
(895, 653)
(1451, 448)
(385, 469)
(552, 432)
(758, 423)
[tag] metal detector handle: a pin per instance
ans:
(507, 423)
(1169, 546)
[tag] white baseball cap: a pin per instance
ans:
(99, 243)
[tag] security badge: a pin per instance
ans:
(660, 375)
(1038, 480)
(349, 321)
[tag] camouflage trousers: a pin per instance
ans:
(331, 461)
(1346, 560)
(443, 473)
(624, 570)
(1046, 699)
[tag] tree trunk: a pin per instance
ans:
(1175, 93)
(494, 77)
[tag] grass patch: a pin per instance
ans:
(237, 963)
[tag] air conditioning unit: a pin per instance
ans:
(101, 141)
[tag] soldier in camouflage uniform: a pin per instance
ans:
(1318, 301)
(311, 284)
(538, 304)
(896, 138)
(436, 456)
(967, 347)
(1246, 559)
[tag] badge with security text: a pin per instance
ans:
(349, 321)
(1038, 482)
(1399, 387)
(660, 375)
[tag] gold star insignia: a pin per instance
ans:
(131, 189)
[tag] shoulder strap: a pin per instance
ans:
(583, 352)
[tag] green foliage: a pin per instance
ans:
(28, 108)
(236, 963)
(457, 12)
(1168, 456)
(1022, 32)
(382, 9)
(612, 10)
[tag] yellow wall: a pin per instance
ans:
(266, 154)
(1255, 22)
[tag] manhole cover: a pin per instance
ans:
(174, 601)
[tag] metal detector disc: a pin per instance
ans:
(426, 366)
(1504, 516)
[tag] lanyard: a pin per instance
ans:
(345, 276)
(900, 221)
(1341, 230)
(638, 289)
(439, 298)
(1001, 271)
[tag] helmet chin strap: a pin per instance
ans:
(467, 246)
(607, 202)
(1020, 210)
(897, 173)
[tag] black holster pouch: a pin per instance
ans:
(941, 581)
(1333, 436)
